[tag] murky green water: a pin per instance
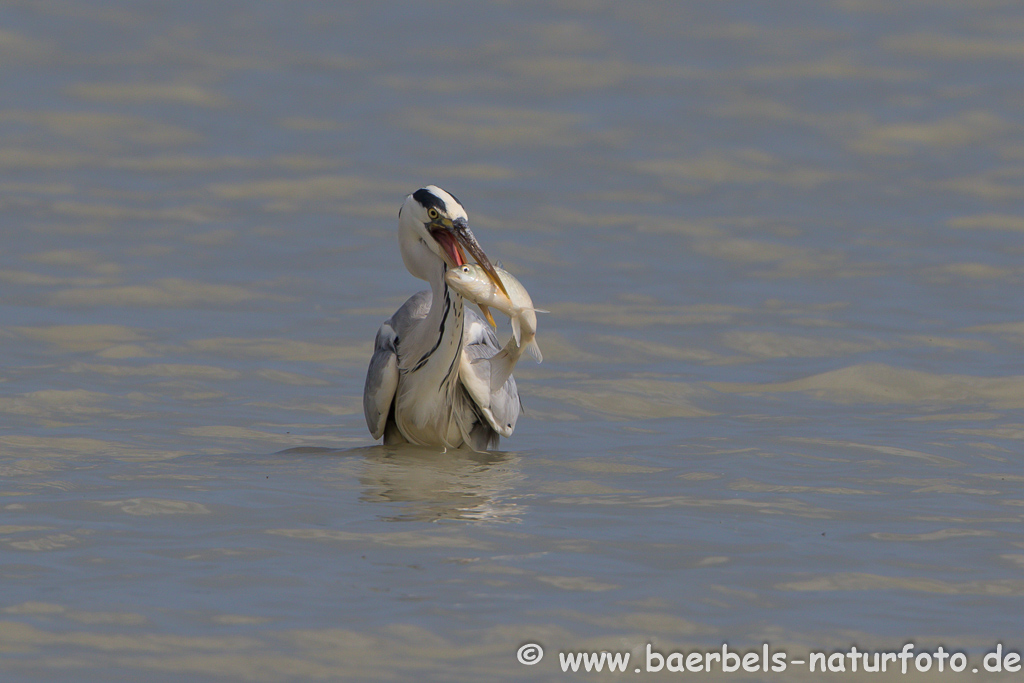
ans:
(782, 391)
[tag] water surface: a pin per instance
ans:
(781, 397)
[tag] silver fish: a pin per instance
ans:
(473, 283)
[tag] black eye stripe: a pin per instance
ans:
(429, 200)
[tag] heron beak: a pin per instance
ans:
(464, 236)
(487, 315)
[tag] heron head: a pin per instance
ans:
(433, 225)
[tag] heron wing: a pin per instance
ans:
(501, 407)
(382, 375)
(381, 380)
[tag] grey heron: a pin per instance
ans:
(422, 386)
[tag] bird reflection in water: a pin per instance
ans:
(432, 486)
(423, 484)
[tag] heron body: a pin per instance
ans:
(422, 385)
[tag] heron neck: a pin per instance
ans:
(444, 326)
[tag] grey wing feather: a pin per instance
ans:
(482, 343)
(382, 375)
(381, 381)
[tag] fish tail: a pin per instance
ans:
(534, 350)
(502, 364)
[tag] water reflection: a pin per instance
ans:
(432, 485)
(429, 485)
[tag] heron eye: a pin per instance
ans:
(432, 213)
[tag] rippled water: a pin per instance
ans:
(781, 397)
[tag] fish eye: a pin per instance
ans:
(465, 269)
(432, 213)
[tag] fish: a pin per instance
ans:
(473, 283)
